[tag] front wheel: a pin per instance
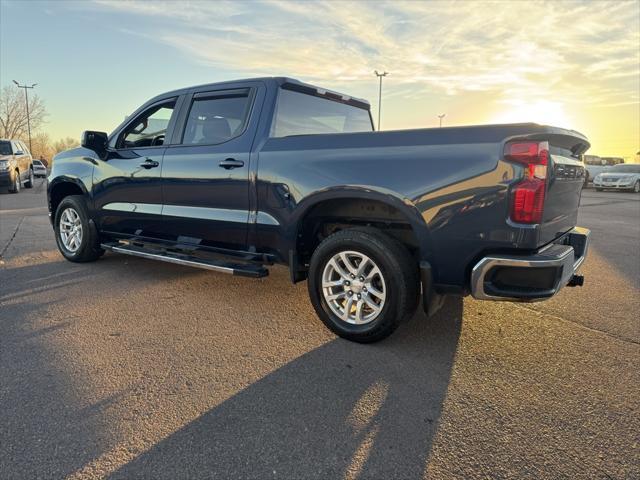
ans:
(636, 187)
(362, 284)
(76, 235)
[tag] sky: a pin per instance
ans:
(568, 64)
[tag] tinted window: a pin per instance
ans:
(148, 129)
(38, 163)
(5, 148)
(216, 119)
(301, 114)
(627, 168)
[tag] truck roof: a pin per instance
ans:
(280, 81)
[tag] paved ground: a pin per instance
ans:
(126, 368)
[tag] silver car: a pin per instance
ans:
(39, 170)
(619, 177)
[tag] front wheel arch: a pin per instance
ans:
(59, 191)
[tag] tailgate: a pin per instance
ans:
(564, 185)
(546, 194)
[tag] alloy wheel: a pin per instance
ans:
(354, 288)
(70, 228)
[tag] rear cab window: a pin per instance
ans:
(300, 113)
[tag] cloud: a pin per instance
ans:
(551, 51)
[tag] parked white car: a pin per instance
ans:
(619, 177)
(39, 170)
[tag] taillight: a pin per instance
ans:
(527, 197)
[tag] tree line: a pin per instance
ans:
(13, 124)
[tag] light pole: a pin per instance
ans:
(380, 75)
(441, 117)
(26, 99)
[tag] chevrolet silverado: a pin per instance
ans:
(236, 176)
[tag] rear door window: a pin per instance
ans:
(216, 117)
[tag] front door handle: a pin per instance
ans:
(230, 163)
(148, 163)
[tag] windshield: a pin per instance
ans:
(38, 163)
(5, 148)
(627, 168)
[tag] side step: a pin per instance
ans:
(240, 269)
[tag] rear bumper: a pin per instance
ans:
(533, 277)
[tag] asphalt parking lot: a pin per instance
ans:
(127, 368)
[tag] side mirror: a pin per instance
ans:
(96, 141)
(18, 153)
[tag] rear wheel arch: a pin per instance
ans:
(331, 214)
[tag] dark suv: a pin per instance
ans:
(16, 165)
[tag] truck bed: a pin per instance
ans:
(452, 183)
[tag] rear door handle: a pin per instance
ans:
(148, 163)
(230, 163)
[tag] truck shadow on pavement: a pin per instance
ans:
(342, 410)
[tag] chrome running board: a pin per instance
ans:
(243, 270)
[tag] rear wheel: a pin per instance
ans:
(15, 187)
(76, 235)
(362, 284)
(29, 183)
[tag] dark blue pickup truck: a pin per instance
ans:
(239, 175)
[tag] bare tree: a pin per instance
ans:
(13, 113)
(65, 144)
(42, 147)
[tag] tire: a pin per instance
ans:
(397, 277)
(636, 187)
(15, 188)
(29, 183)
(88, 248)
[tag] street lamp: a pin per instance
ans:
(26, 99)
(441, 117)
(380, 75)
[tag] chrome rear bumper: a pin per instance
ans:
(534, 277)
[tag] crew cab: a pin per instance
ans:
(16, 166)
(236, 176)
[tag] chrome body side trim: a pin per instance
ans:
(199, 213)
(206, 213)
(148, 208)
